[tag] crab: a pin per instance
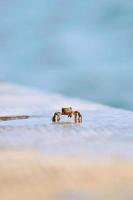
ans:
(69, 112)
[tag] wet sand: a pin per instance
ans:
(7, 118)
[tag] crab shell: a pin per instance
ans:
(67, 111)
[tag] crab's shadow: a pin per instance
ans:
(65, 123)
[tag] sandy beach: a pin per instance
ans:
(26, 175)
(41, 160)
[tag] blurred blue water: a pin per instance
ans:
(80, 48)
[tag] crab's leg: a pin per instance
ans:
(78, 117)
(56, 117)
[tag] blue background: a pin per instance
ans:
(80, 48)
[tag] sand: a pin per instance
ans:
(28, 175)
(40, 160)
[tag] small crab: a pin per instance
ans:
(69, 112)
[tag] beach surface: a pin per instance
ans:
(42, 160)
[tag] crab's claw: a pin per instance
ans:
(70, 115)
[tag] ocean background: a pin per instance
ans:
(79, 48)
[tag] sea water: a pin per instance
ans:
(80, 48)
